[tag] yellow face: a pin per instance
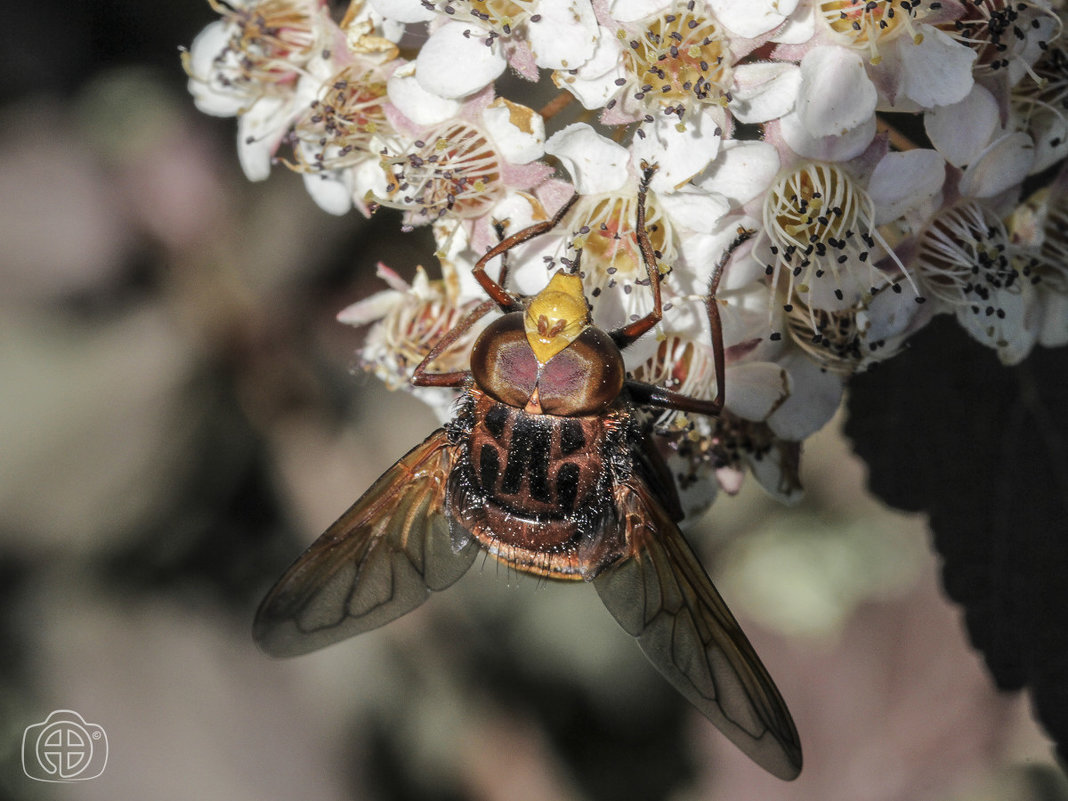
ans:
(556, 316)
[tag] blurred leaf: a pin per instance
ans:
(983, 450)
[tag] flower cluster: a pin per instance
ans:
(877, 150)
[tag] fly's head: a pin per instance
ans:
(550, 358)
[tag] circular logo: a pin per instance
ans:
(64, 748)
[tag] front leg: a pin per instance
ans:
(422, 377)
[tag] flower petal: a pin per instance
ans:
(938, 70)
(825, 148)
(456, 61)
(403, 10)
(596, 164)
(962, 130)
(415, 102)
(518, 132)
(751, 18)
(742, 171)
(764, 90)
(1005, 163)
(566, 36)
(836, 94)
(903, 181)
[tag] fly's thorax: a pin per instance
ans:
(584, 378)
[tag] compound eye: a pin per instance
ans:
(502, 363)
(583, 378)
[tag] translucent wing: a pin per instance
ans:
(660, 593)
(380, 560)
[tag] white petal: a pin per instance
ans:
(938, 70)
(755, 389)
(259, 131)
(208, 95)
(836, 93)
(415, 102)
(679, 150)
(632, 10)
(1050, 132)
(595, 82)
(403, 10)
(799, 27)
(1005, 163)
(888, 315)
(764, 90)
(826, 148)
(331, 191)
(751, 18)
(742, 171)
(566, 35)
(596, 164)
(696, 209)
(517, 131)
(903, 181)
(456, 61)
(1053, 326)
(815, 395)
(962, 130)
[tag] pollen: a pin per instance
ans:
(556, 316)
(820, 230)
(339, 128)
(866, 25)
(453, 171)
(679, 57)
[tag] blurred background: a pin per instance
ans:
(179, 417)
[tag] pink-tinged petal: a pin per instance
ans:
(392, 278)
(755, 389)
(938, 70)
(566, 35)
(904, 181)
(793, 133)
(764, 90)
(456, 61)
(403, 10)
(815, 395)
(596, 164)
(836, 95)
(415, 102)
(371, 308)
(751, 18)
(1004, 164)
(962, 130)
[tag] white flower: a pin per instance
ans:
(253, 64)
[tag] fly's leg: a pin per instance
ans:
(652, 395)
(493, 288)
(422, 377)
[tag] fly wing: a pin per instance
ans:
(660, 594)
(379, 561)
